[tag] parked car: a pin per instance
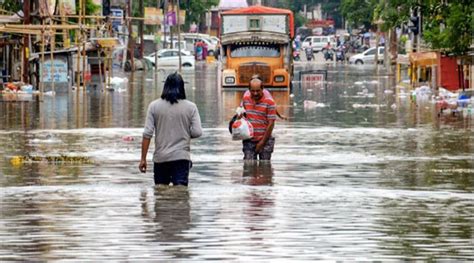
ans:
(169, 58)
(367, 56)
(318, 42)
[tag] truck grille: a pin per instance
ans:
(247, 70)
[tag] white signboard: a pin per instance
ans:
(233, 24)
(240, 23)
(312, 80)
(60, 73)
(275, 23)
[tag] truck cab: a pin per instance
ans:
(257, 40)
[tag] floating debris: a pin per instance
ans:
(19, 160)
(310, 104)
(128, 138)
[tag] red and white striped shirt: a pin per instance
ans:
(259, 113)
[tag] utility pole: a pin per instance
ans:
(26, 40)
(140, 27)
(171, 29)
(165, 21)
(131, 44)
(158, 38)
(179, 38)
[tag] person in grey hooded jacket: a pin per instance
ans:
(174, 121)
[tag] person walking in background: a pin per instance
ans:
(261, 113)
(174, 121)
(297, 42)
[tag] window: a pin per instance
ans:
(167, 54)
(255, 51)
(370, 52)
(254, 23)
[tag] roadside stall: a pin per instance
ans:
(423, 68)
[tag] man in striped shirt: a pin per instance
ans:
(261, 112)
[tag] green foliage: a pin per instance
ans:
(446, 25)
(11, 5)
(449, 27)
(359, 13)
(394, 12)
(299, 20)
(197, 8)
(91, 8)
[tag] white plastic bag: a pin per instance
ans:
(242, 129)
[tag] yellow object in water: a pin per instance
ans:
(16, 160)
(210, 59)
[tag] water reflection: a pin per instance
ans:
(359, 171)
(254, 173)
(260, 203)
(170, 218)
(426, 230)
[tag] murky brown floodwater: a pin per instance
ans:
(359, 173)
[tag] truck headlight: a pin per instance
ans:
(229, 80)
(279, 78)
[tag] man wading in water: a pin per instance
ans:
(261, 113)
(174, 121)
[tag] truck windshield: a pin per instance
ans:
(255, 51)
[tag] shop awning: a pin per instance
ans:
(424, 59)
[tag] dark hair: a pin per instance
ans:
(173, 89)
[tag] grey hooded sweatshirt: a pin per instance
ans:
(174, 125)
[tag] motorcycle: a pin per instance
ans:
(309, 53)
(328, 54)
(340, 54)
(296, 55)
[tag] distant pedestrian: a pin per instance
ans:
(174, 121)
(297, 42)
(261, 113)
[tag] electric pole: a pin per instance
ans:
(26, 41)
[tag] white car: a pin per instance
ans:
(169, 58)
(318, 42)
(367, 56)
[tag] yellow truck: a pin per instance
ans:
(257, 40)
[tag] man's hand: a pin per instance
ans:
(259, 146)
(142, 166)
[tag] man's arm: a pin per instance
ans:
(145, 145)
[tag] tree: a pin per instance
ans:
(196, 8)
(91, 8)
(11, 5)
(448, 26)
(359, 13)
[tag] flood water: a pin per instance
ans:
(359, 172)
